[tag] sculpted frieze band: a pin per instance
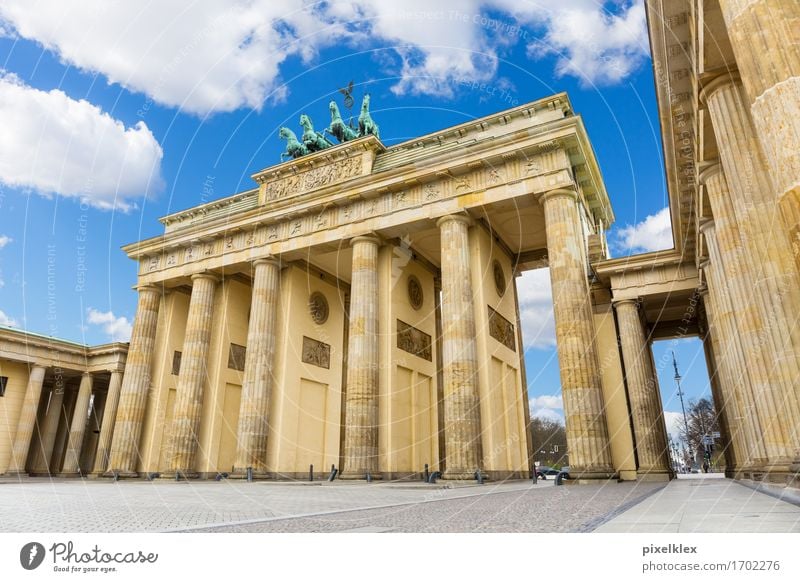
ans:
(332, 215)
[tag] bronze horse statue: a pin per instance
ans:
(294, 148)
(338, 128)
(366, 126)
(313, 140)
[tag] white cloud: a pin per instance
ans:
(4, 240)
(208, 56)
(56, 145)
(6, 320)
(536, 309)
(654, 233)
(547, 407)
(117, 328)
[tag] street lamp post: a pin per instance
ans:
(680, 395)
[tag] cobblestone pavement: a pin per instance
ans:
(102, 506)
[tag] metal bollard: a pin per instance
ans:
(426, 475)
(369, 477)
(479, 477)
(332, 475)
(535, 476)
(249, 474)
(311, 472)
(560, 477)
(434, 476)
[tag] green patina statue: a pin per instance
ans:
(314, 141)
(294, 149)
(365, 124)
(338, 128)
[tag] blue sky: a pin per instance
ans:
(115, 115)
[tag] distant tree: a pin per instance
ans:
(702, 419)
(549, 442)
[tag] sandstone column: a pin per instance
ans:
(776, 284)
(27, 421)
(462, 422)
(258, 368)
(192, 376)
(587, 433)
(645, 401)
(135, 385)
(48, 431)
(361, 398)
(730, 275)
(77, 429)
(107, 426)
(764, 38)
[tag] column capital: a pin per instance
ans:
(371, 238)
(713, 84)
(267, 261)
(464, 218)
(568, 192)
(149, 288)
(206, 275)
(635, 301)
(707, 224)
(708, 170)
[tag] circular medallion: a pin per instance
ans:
(318, 307)
(499, 278)
(415, 296)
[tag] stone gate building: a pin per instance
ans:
(358, 306)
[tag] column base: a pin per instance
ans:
(70, 475)
(461, 475)
(178, 476)
(242, 474)
(579, 476)
(121, 474)
(16, 474)
(359, 476)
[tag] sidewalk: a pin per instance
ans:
(707, 504)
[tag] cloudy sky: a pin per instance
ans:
(115, 113)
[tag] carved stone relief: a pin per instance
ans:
(414, 341)
(316, 353)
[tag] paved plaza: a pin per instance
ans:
(707, 504)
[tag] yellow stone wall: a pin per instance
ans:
(10, 407)
(503, 429)
(306, 400)
(408, 404)
(614, 398)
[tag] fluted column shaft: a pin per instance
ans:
(587, 432)
(361, 397)
(258, 368)
(776, 285)
(48, 431)
(107, 427)
(731, 275)
(765, 42)
(80, 417)
(462, 423)
(135, 385)
(27, 420)
(193, 375)
(719, 363)
(645, 401)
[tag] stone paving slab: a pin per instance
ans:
(72, 505)
(707, 504)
